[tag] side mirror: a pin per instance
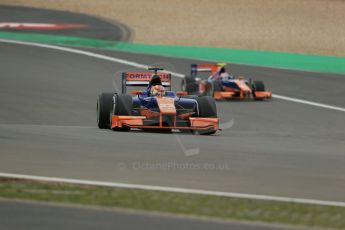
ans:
(136, 92)
(181, 93)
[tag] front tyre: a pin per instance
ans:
(104, 103)
(207, 108)
(122, 105)
(257, 86)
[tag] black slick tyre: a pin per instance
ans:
(122, 105)
(207, 108)
(104, 105)
(189, 85)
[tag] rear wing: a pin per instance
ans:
(195, 68)
(143, 79)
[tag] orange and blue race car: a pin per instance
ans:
(222, 85)
(155, 108)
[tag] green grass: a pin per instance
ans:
(316, 63)
(178, 203)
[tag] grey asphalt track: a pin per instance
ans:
(48, 128)
(17, 215)
(97, 28)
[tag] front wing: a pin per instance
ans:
(194, 123)
(219, 95)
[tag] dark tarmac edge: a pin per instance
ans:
(99, 27)
(218, 208)
(126, 32)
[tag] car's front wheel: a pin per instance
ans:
(257, 86)
(207, 108)
(104, 102)
(122, 105)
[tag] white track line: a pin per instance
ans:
(160, 188)
(308, 103)
(138, 65)
(174, 189)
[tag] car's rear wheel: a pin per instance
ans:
(104, 102)
(215, 86)
(189, 84)
(122, 105)
(207, 108)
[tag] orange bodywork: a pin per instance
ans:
(148, 113)
(243, 92)
(209, 67)
(196, 123)
(218, 95)
(263, 95)
(243, 86)
(119, 121)
(166, 105)
(230, 94)
(201, 123)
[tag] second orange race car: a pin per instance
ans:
(222, 85)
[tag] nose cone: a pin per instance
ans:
(243, 86)
(166, 105)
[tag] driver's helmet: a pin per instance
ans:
(157, 90)
(155, 80)
(221, 68)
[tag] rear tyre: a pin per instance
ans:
(122, 105)
(189, 85)
(207, 108)
(104, 103)
(215, 86)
